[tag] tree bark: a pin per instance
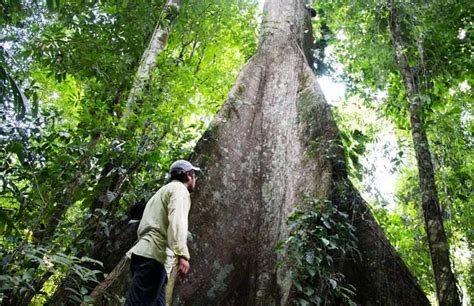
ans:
(273, 142)
(446, 288)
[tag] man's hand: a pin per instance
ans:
(183, 268)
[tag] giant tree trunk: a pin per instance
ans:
(274, 142)
(446, 289)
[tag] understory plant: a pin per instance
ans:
(321, 235)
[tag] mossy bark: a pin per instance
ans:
(274, 142)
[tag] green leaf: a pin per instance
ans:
(309, 291)
(437, 105)
(50, 5)
(76, 293)
(83, 291)
(88, 259)
(17, 148)
(22, 104)
(297, 285)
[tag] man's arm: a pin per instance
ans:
(178, 210)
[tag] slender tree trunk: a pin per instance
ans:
(148, 61)
(273, 142)
(446, 289)
(155, 46)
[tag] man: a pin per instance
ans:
(164, 225)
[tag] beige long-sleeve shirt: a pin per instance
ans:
(165, 223)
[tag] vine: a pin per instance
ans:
(320, 236)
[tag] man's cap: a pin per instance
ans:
(183, 166)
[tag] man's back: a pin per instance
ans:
(170, 203)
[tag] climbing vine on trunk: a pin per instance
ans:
(321, 236)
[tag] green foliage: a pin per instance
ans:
(74, 61)
(359, 128)
(9, 88)
(404, 228)
(79, 159)
(37, 261)
(321, 236)
(438, 37)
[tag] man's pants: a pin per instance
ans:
(148, 282)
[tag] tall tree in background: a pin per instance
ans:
(413, 70)
(273, 145)
(149, 58)
(415, 54)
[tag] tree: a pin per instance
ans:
(414, 81)
(148, 61)
(417, 56)
(272, 145)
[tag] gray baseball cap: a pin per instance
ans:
(183, 166)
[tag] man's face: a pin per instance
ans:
(191, 182)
